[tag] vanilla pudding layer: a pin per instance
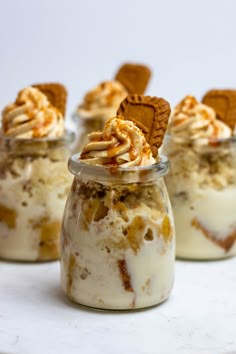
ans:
(205, 223)
(96, 280)
(122, 256)
(33, 191)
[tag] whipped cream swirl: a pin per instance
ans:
(103, 100)
(121, 143)
(32, 116)
(194, 120)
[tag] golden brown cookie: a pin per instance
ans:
(150, 114)
(134, 77)
(56, 93)
(224, 104)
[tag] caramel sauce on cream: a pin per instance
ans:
(32, 116)
(121, 143)
(194, 120)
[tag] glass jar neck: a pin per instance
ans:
(33, 145)
(118, 175)
(201, 144)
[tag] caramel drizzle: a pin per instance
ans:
(227, 243)
(70, 273)
(124, 274)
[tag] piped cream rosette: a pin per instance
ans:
(32, 116)
(121, 143)
(194, 120)
(102, 101)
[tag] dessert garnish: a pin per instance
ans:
(56, 94)
(224, 104)
(150, 114)
(134, 77)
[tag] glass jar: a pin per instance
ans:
(118, 242)
(202, 190)
(34, 185)
(83, 127)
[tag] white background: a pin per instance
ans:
(198, 318)
(190, 45)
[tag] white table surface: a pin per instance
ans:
(199, 317)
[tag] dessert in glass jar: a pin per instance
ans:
(102, 102)
(34, 181)
(118, 241)
(202, 181)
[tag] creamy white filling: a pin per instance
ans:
(151, 269)
(215, 211)
(151, 273)
(45, 200)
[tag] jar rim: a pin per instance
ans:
(218, 141)
(160, 168)
(68, 135)
(12, 143)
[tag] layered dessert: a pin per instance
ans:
(202, 181)
(118, 234)
(101, 102)
(34, 181)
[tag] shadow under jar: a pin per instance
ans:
(118, 241)
(202, 190)
(34, 185)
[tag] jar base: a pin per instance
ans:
(20, 260)
(108, 309)
(202, 258)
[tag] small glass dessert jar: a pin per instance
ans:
(118, 241)
(202, 190)
(34, 185)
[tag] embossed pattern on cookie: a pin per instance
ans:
(150, 114)
(224, 104)
(134, 77)
(56, 94)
